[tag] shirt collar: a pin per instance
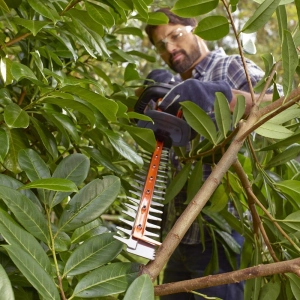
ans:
(202, 67)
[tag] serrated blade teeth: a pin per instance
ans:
(136, 193)
(124, 241)
(158, 198)
(141, 182)
(133, 200)
(137, 187)
(134, 207)
(129, 223)
(154, 203)
(158, 186)
(127, 231)
(154, 218)
(148, 233)
(153, 210)
(129, 213)
(150, 225)
(159, 192)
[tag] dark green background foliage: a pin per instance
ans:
(68, 71)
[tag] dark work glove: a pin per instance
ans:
(161, 76)
(201, 93)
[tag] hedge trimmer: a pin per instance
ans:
(146, 202)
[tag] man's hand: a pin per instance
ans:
(201, 93)
(160, 76)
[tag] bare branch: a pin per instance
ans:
(291, 266)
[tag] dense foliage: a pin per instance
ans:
(69, 147)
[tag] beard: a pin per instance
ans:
(188, 61)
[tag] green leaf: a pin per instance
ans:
(288, 154)
(141, 7)
(5, 70)
(199, 120)
(102, 159)
(248, 44)
(143, 136)
(130, 31)
(142, 55)
(26, 212)
(44, 10)
(295, 284)
(6, 290)
(15, 185)
(53, 184)
(282, 2)
(195, 181)
(106, 106)
(73, 104)
(219, 199)
(31, 25)
(140, 289)
(282, 20)
(20, 71)
(194, 8)
(293, 220)
(177, 183)
(91, 201)
(229, 241)
(290, 188)
(92, 254)
(212, 28)
(286, 115)
(239, 109)
(66, 124)
(4, 142)
(5, 98)
(222, 113)
(271, 290)
(87, 231)
(273, 131)
(15, 116)
(46, 137)
(85, 19)
(3, 6)
(16, 143)
(107, 280)
(74, 167)
(261, 16)
(14, 234)
(62, 241)
(100, 15)
(157, 18)
(289, 61)
(33, 272)
(123, 56)
(131, 73)
(122, 147)
(34, 167)
(284, 143)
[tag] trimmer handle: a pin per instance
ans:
(152, 92)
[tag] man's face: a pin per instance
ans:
(180, 54)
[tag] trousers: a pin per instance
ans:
(189, 262)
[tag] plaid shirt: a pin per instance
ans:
(215, 66)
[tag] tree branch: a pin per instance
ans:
(291, 266)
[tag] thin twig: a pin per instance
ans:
(257, 224)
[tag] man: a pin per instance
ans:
(201, 74)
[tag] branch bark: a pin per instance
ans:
(291, 266)
(174, 237)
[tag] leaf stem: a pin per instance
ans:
(52, 247)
